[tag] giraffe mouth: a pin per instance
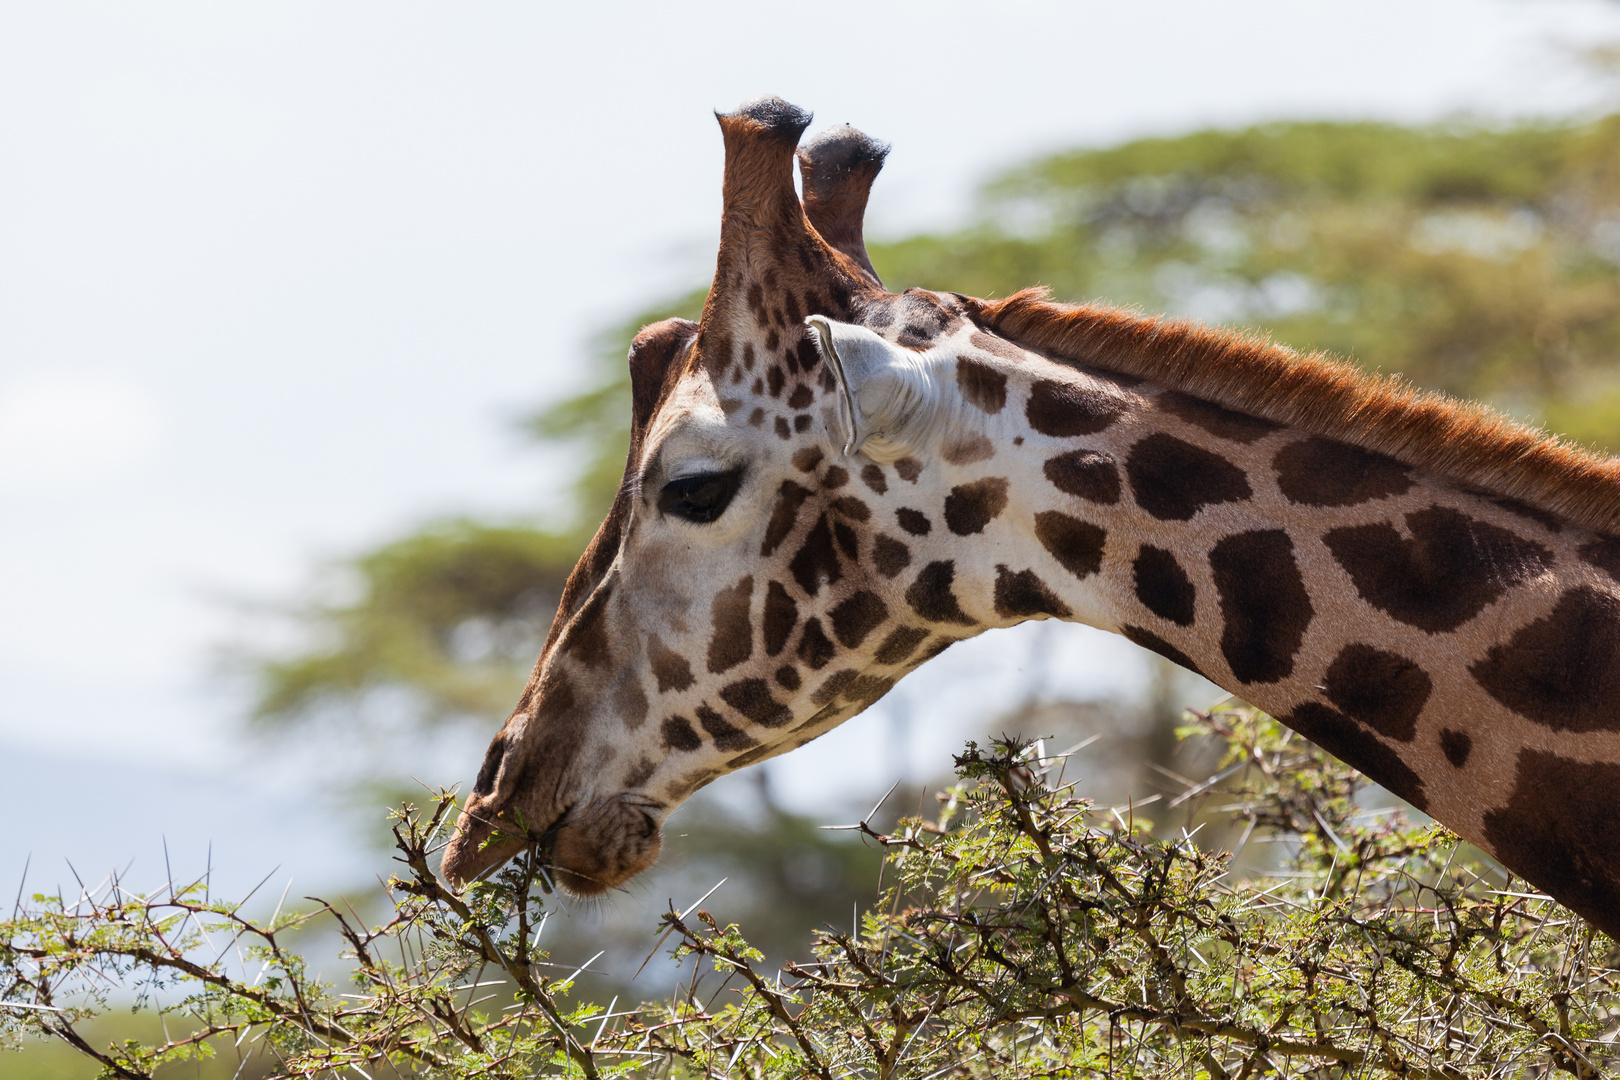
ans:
(585, 852)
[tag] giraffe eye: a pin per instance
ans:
(699, 499)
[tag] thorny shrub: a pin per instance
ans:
(1023, 932)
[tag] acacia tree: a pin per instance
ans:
(1022, 932)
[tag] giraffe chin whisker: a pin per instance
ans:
(605, 845)
(591, 849)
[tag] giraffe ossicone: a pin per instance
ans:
(829, 484)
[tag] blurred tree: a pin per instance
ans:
(454, 611)
(1478, 261)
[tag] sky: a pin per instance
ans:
(277, 281)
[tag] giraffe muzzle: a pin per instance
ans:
(586, 851)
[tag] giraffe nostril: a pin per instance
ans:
(491, 766)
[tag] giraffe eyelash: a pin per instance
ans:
(700, 498)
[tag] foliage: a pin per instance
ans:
(1024, 933)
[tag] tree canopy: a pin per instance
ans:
(1024, 932)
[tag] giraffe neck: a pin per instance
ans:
(1460, 648)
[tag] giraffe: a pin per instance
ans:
(829, 484)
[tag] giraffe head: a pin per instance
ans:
(750, 588)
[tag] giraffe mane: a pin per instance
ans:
(1463, 441)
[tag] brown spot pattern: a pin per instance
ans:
(1085, 474)
(1560, 831)
(872, 476)
(1163, 586)
(726, 737)
(815, 647)
(752, 698)
(1456, 745)
(801, 397)
(1174, 479)
(679, 734)
(669, 668)
(889, 555)
(900, 644)
(851, 507)
(1076, 545)
(1357, 746)
(1154, 643)
(1263, 603)
(733, 640)
(983, 386)
(630, 702)
(806, 458)
(1444, 575)
(787, 677)
(789, 498)
(587, 636)
(1215, 419)
(995, 346)
(1024, 594)
(914, 522)
(967, 449)
(865, 689)
(1325, 472)
(816, 562)
(781, 616)
(1563, 669)
(833, 685)
(909, 469)
(640, 773)
(1603, 553)
(1383, 690)
(856, 616)
(930, 596)
(970, 507)
(846, 540)
(1063, 410)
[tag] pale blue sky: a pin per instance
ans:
(275, 279)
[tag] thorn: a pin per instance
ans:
(283, 900)
(585, 965)
(17, 907)
(702, 898)
(881, 801)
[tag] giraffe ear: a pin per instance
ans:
(886, 395)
